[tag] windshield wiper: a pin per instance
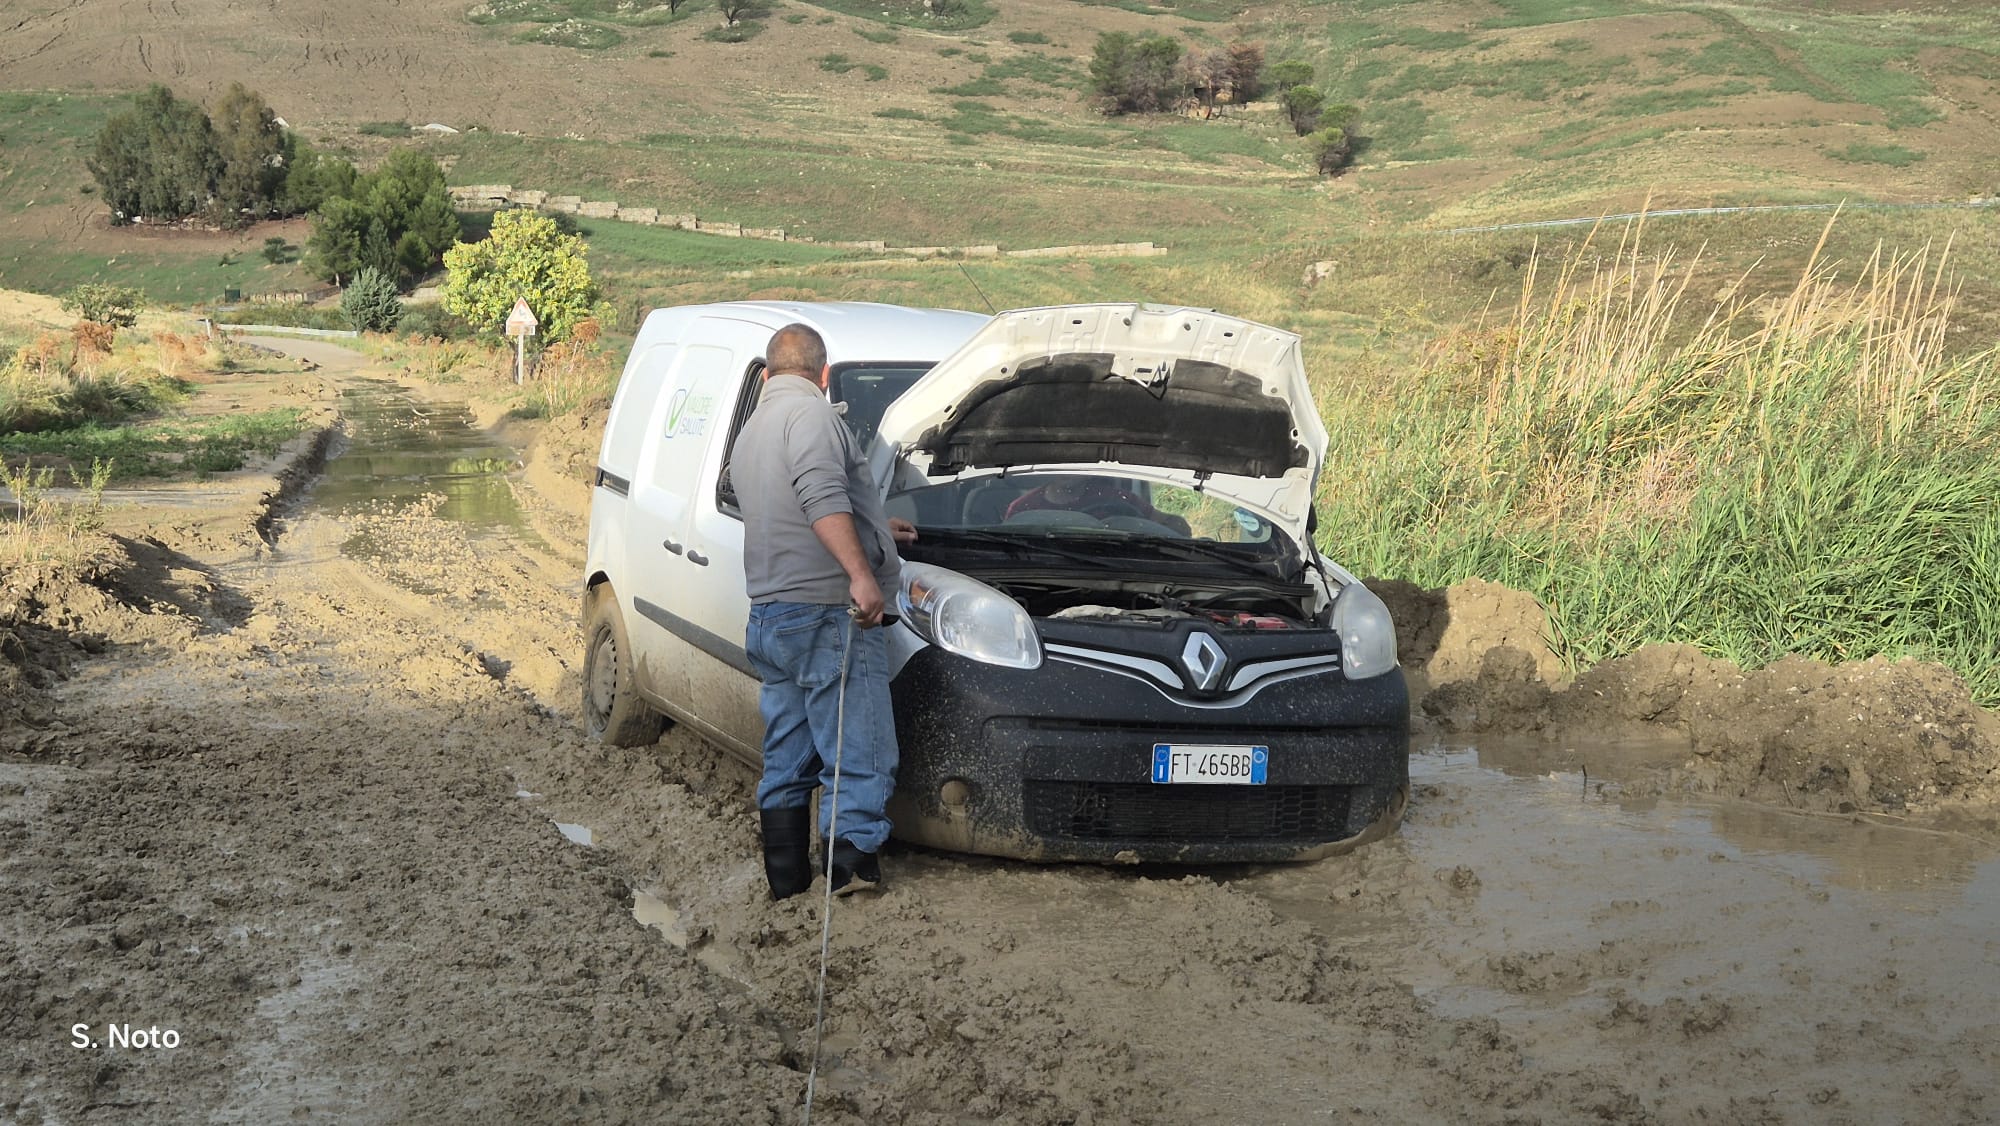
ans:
(1034, 542)
(1200, 549)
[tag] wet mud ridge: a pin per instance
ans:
(339, 832)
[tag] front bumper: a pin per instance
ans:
(1055, 764)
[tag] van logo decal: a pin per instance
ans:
(687, 414)
(674, 407)
(1203, 659)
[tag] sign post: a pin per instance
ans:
(521, 324)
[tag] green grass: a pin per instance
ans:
(841, 64)
(981, 87)
(899, 113)
(1862, 152)
(877, 34)
(1025, 37)
(960, 15)
(383, 128)
(166, 446)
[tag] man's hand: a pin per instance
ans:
(867, 599)
(903, 531)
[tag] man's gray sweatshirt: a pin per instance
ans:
(796, 462)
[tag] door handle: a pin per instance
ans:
(671, 546)
(697, 558)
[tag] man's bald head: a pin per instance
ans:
(795, 350)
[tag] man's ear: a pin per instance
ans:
(825, 375)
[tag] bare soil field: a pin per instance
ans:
(297, 777)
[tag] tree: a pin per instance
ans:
(1137, 74)
(397, 219)
(1244, 72)
(370, 304)
(733, 10)
(312, 177)
(1285, 75)
(252, 146)
(158, 160)
(524, 257)
(1205, 75)
(116, 306)
(1332, 148)
(1302, 107)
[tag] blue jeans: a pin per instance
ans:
(796, 649)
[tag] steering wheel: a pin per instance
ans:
(1107, 508)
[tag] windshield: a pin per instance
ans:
(868, 389)
(1091, 507)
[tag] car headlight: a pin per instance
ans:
(965, 616)
(1367, 636)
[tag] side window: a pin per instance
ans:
(746, 402)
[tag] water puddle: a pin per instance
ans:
(652, 911)
(1549, 893)
(401, 449)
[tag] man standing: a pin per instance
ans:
(817, 548)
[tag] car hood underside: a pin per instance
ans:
(1179, 395)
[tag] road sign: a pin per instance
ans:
(522, 322)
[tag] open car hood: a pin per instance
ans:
(1181, 396)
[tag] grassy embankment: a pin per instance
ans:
(77, 418)
(1812, 472)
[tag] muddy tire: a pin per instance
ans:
(613, 711)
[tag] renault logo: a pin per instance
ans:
(1203, 659)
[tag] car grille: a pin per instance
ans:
(1146, 811)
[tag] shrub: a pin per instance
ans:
(370, 304)
(1332, 149)
(114, 306)
(1137, 74)
(1302, 107)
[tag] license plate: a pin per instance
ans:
(1179, 763)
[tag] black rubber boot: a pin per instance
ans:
(787, 850)
(854, 870)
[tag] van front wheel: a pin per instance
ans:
(612, 710)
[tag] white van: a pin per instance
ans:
(1116, 639)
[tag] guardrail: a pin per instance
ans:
(276, 330)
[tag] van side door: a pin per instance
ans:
(663, 581)
(725, 683)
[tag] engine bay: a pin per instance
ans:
(1158, 604)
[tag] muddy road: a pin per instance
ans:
(319, 806)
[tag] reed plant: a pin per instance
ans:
(1813, 472)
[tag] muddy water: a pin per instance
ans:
(401, 450)
(1734, 941)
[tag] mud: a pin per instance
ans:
(318, 803)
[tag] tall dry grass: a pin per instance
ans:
(37, 526)
(1815, 471)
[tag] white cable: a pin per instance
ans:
(832, 834)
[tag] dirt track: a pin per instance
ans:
(308, 820)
